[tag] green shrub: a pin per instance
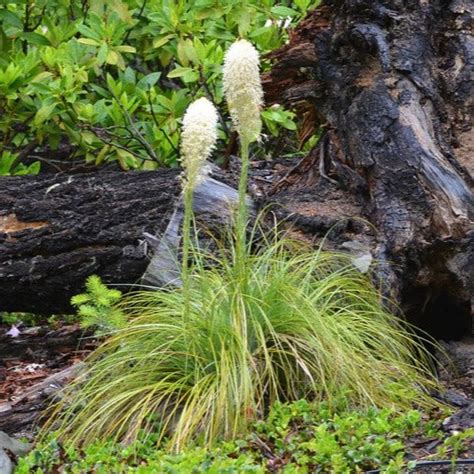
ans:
(110, 80)
(10, 166)
(295, 438)
(304, 325)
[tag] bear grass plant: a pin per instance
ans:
(307, 326)
(248, 328)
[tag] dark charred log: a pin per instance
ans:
(393, 83)
(55, 230)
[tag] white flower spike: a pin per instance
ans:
(198, 138)
(243, 89)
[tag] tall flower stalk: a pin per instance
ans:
(244, 95)
(198, 139)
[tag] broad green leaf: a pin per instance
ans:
(158, 42)
(126, 159)
(125, 49)
(89, 42)
(284, 12)
(191, 76)
(43, 114)
(129, 75)
(181, 53)
(102, 154)
(42, 76)
(6, 161)
(100, 90)
(289, 124)
(206, 13)
(10, 18)
(179, 72)
(165, 102)
(260, 31)
(305, 4)
(102, 54)
(112, 57)
(34, 168)
(149, 81)
(36, 39)
(114, 87)
(120, 61)
(89, 32)
(190, 51)
(121, 9)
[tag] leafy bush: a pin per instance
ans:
(304, 325)
(110, 80)
(9, 165)
(299, 437)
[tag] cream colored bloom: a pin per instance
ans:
(198, 138)
(243, 89)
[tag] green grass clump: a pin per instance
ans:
(282, 324)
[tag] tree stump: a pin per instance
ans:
(392, 86)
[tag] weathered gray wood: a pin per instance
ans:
(21, 415)
(212, 199)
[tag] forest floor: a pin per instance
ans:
(35, 363)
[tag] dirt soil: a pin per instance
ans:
(33, 365)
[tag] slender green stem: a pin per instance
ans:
(187, 219)
(242, 211)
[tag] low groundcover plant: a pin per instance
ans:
(300, 437)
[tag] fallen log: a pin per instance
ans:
(40, 339)
(55, 230)
(20, 416)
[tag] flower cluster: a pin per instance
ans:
(243, 89)
(198, 138)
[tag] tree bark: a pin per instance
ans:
(392, 85)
